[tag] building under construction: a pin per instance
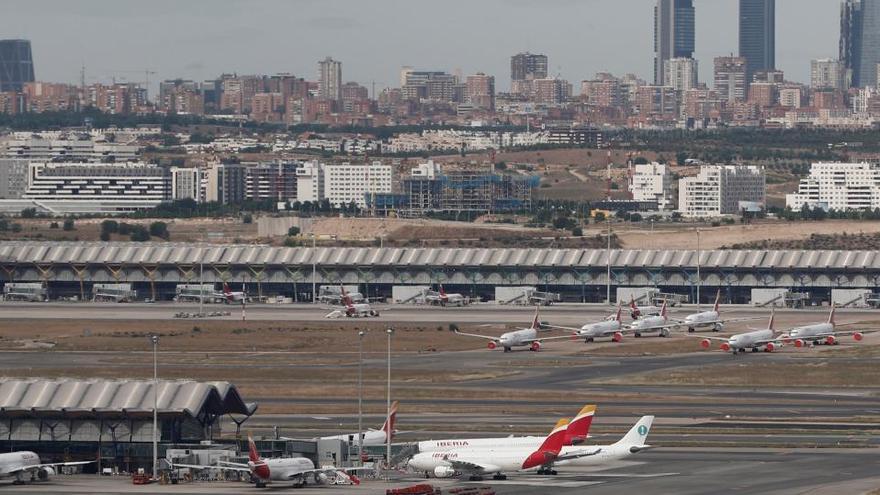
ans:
(429, 189)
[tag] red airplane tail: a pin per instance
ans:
(346, 300)
(388, 425)
(663, 310)
(253, 455)
(831, 314)
(618, 313)
(579, 427)
(536, 323)
(772, 317)
(226, 289)
(442, 291)
(717, 301)
(550, 448)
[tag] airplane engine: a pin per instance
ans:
(617, 337)
(373, 312)
(830, 340)
(718, 327)
(725, 347)
(705, 343)
(799, 343)
(536, 346)
(770, 347)
(44, 473)
(444, 472)
(321, 478)
(492, 345)
(858, 336)
(575, 336)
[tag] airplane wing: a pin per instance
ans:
(700, 336)
(472, 467)
(34, 467)
(488, 337)
(733, 320)
(557, 337)
(560, 327)
(577, 454)
(244, 469)
(334, 314)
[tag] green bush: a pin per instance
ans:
(68, 224)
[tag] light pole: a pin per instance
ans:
(360, 442)
(390, 332)
(699, 280)
(314, 268)
(155, 340)
(608, 267)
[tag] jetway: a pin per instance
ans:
(113, 293)
(649, 296)
(779, 298)
(410, 294)
(852, 298)
(196, 293)
(25, 291)
(525, 296)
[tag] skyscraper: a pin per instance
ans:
(860, 41)
(757, 35)
(330, 79)
(673, 33)
(528, 66)
(16, 64)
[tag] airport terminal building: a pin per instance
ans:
(154, 270)
(112, 420)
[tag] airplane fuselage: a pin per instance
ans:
(812, 331)
(600, 329)
(749, 340)
(517, 338)
(13, 461)
(706, 319)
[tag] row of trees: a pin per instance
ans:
(135, 232)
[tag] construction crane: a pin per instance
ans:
(146, 72)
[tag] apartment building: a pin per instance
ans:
(838, 186)
(652, 182)
(720, 190)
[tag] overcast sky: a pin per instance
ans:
(199, 39)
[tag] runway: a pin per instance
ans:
(683, 471)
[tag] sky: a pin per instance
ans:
(200, 39)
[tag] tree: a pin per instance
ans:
(640, 160)
(599, 216)
(29, 213)
(247, 218)
(681, 157)
(110, 226)
(159, 229)
(293, 231)
(68, 225)
(139, 233)
(577, 232)
(105, 236)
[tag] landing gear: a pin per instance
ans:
(637, 334)
(664, 332)
(475, 477)
(754, 349)
(507, 349)
(692, 330)
(588, 340)
(260, 484)
(547, 472)
(499, 477)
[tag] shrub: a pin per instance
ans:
(68, 224)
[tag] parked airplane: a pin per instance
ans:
(631, 443)
(444, 299)
(637, 312)
(609, 327)
(523, 337)
(709, 320)
(496, 461)
(756, 340)
(477, 461)
(25, 466)
(660, 324)
(263, 471)
(576, 433)
(372, 437)
(821, 333)
(352, 310)
(229, 296)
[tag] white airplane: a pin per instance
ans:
(371, 437)
(26, 464)
(821, 333)
(756, 340)
(230, 296)
(263, 471)
(444, 299)
(631, 443)
(609, 327)
(523, 337)
(709, 320)
(352, 310)
(576, 433)
(636, 312)
(496, 461)
(660, 324)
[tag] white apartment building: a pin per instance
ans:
(83, 150)
(680, 73)
(343, 183)
(720, 189)
(652, 182)
(838, 186)
(97, 187)
(186, 183)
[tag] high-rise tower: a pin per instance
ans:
(673, 33)
(16, 64)
(757, 35)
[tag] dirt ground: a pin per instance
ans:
(681, 236)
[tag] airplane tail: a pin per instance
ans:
(388, 425)
(772, 317)
(253, 455)
(346, 299)
(442, 291)
(636, 437)
(717, 300)
(831, 314)
(618, 313)
(536, 324)
(663, 310)
(554, 441)
(579, 427)
(226, 289)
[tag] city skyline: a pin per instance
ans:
(195, 41)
